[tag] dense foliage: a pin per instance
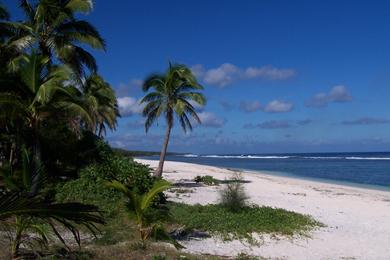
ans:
(53, 107)
(48, 97)
(30, 218)
(91, 185)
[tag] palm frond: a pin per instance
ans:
(151, 118)
(84, 6)
(155, 80)
(188, 108)
(158, 186)
(153, 96)
(76, 57)
(27, 8)
(68, 215)
(81, 31)
(194, 96)
(17, 204)
(150, 106)
(185, 123)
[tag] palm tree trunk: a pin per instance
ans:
(159, 170)
(15, 245)
(37, 157)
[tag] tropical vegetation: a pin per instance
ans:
(171, 94)
(139, 205)
(47, 94)
(60, 179)
(221, 221)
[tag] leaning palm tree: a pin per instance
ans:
(172, 95)
(52, 26)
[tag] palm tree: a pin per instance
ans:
(23, 214)
(140, 204)
(69, 215)
(172, 95)
(38, 94)
(52, 27)
(100, 100)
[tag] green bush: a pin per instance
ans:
(220, 221)
(207, 179)
(159, 257)
(233, 196)
(244, 256)
(91, 186)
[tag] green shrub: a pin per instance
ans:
(91, 186)
(244, 256)
(220, 221)
(233, 195)
(207, 179)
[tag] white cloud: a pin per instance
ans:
(275, 106)
(250, 106)
(209, 119)
(270, 125)
(269, 72)
(278, 124)
(129, 106)
(228, 73)
(222, 76)
(337, 94)
(278, 106)
(126, 89)
(198, 70)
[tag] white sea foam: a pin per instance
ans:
(367, 158)
(323, 157)
(190, 155)
(285, 157)
(246, 156)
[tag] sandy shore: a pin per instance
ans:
(357, 220)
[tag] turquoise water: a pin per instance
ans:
(359, 169)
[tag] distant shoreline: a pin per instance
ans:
(366, 170)
(290, 176)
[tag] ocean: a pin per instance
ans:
(370, 170)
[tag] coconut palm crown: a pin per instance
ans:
(169, 95)
(52, 26)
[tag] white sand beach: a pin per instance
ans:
(357, 220)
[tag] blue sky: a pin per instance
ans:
(280, 76)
